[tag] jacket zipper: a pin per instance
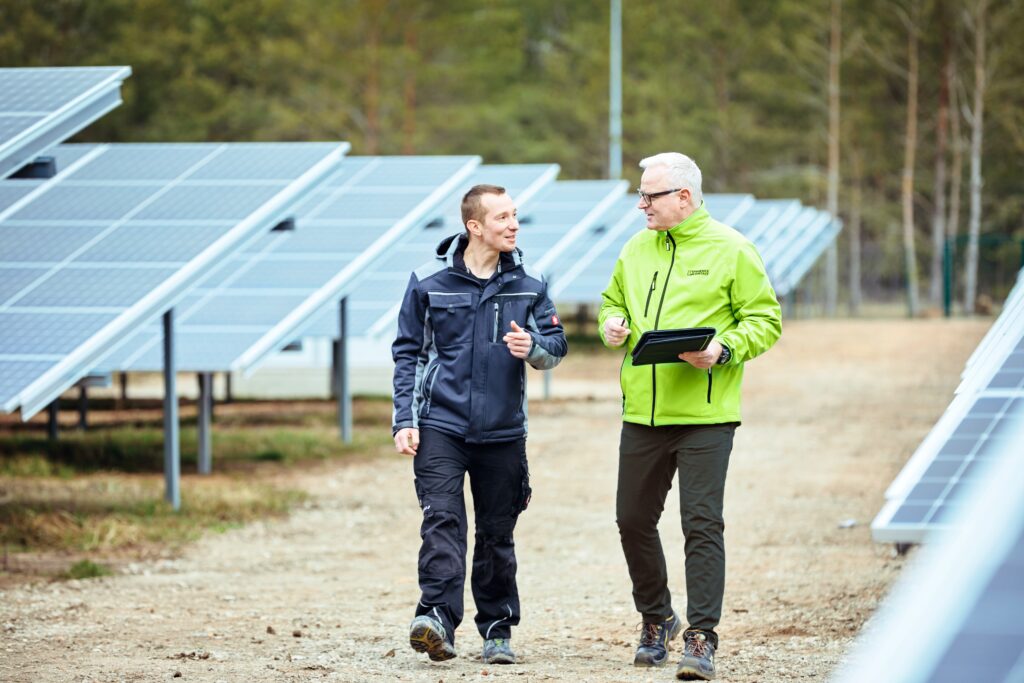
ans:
(429, 386)
(709, 385)
(494, 334)
(654, 285)
(657, 318)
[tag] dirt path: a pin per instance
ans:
(829, 421)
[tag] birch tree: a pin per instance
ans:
(976, 119)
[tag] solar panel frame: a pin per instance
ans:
(96, 344)
(56, 124)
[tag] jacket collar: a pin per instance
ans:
(693, 225)
(451, 249)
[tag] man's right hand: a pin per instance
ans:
(407, 440)
(615, 331)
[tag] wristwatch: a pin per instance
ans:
(726, 355)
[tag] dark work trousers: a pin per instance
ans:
(499, 480)
(649, 458)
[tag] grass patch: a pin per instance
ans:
(101, 491)
(85, 569)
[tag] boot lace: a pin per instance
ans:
(696, 646)
(648, 634)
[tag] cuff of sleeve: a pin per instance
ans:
(400, 426)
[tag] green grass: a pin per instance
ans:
(85, 569)
(101, 490)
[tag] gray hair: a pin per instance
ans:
(683, 172)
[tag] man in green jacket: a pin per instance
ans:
(685, 270)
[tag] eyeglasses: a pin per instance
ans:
(648, 197)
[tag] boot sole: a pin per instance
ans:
(499, 659)
(687, 672)
(423, 638)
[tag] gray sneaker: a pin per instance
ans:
(427, 634)
(698, 663)
(654, 639)
(498, 651)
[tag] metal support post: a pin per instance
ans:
(615, 91)
(53, 411)
(341, 375)
(205, 436)
(83, 408)
(172, 445)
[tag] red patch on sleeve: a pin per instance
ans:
(554, 320)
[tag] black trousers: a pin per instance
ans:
(649, 458)
(499, 479)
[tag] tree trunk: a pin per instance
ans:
(941, 133)
(409, 89)
(854, 231)
(832, 256)
(372, 94)
(909, 155)
(977, 122)
(956, 140)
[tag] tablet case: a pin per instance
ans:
(664, 346)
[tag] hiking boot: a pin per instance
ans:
(654, 639)
(426, 634)
(698, 663)
(498, 651)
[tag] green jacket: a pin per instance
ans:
(700, 273)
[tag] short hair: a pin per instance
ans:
(683, 172)
(472, 206)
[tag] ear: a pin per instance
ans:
(685, 196)
(474, 227)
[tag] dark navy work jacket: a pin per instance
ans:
(453, 372)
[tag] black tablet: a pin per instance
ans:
(664, 346)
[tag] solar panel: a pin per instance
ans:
(40, 107)
(971, 427)
(955, 614)
(260, 298)
(85, 257)
(380, 288)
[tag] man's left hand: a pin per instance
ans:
(703, 359)
(519, 341)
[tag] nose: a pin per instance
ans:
(641, 204)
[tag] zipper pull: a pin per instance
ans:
(494, 336)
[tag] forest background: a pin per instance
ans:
(922, 100)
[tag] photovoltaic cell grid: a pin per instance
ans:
(367, 207)
(40, 107)
(955, 614)
(117, 236)
(928, 483)
(989, 359)
(379, 288)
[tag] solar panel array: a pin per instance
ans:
(955, 614)
(789, 236)
(118, 235)
(972, 431)
(556, 218)
(262, 296)
(380, 288)
(40, 107)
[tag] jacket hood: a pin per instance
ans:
(451, 248)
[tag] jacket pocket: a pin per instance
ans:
(503, 407)
(451, 316)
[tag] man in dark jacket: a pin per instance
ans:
(468, 322)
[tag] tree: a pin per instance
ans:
(976, 119)
(911, 20)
